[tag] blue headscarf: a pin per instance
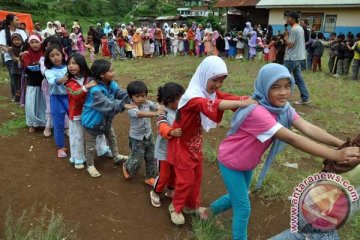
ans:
(267, 76)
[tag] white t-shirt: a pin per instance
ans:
(7, 56)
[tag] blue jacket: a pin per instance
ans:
(101, 105)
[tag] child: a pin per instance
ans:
(141, 140)
(252, 45)
(105, 46)
(174, 43)
(169, 95)
(128, 47)
(17, 46)
(220, 46)
(208, 43)
(59, 103)
(318, 48)
(138, 46)
(349, 52)
(45, 85)
(202, 106)
(91, 48)
(103, 102)
(232, 46)
(240, 45)
(280, 49)
(213, 43)
(35, 104)
(77, 88)
(339, 51)
(310, 50)
(356, 62)
(181, 43)
(74, 46)
(332, 55)
(191, 41)
(272, 49)
(252, 131)
(121, 42)
(111, 44)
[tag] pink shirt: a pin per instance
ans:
(243, 150)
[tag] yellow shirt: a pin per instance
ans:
(356, 54)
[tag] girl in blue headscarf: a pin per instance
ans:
(253, 130)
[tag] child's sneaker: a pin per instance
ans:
(62, 153)
(176, 218)
(198, 211)
(93, 172)
(119, 159)
(169, 193)
(150, 181)
(155, 199)
(79, 166)
(47, 132)
(125, 172)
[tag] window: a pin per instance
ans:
(315, 20)
(330, 23)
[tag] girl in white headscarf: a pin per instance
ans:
(201, 106)
(49, 30)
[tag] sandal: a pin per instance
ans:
(62, 153)
(93, 172)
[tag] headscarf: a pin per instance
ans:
(48, 30)
(247, 29)
(14, 49)
(107, 28)
(211, 67)
(198, 35)
(137, 36)
(267, 76)
(33, 56)
(215, 37)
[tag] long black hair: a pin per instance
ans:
(8, 20)
(47, 62)
(81, 61)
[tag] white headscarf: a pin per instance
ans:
(50, 31)
(211, 67)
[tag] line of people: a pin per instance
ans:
(91, 98)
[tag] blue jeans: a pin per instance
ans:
(315, 235)
(237, 185)
(309, 59)
(294, 68)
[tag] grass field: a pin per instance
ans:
(334, 106)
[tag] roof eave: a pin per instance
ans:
(308, 6)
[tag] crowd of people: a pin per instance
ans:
(51, 78)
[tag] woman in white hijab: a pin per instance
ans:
(201, 107)
(49, 30)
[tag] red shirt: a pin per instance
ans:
(77, 97)
(121, 42)
(185, 152)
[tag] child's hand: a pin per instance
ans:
(249, 101)
(348, 155)
(177, 132)
(130, 105)
(91, 84)
(159, 112)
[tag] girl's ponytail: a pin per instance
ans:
(160, 95)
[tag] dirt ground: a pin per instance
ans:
(108, 207)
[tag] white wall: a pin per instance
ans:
(345, 16)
